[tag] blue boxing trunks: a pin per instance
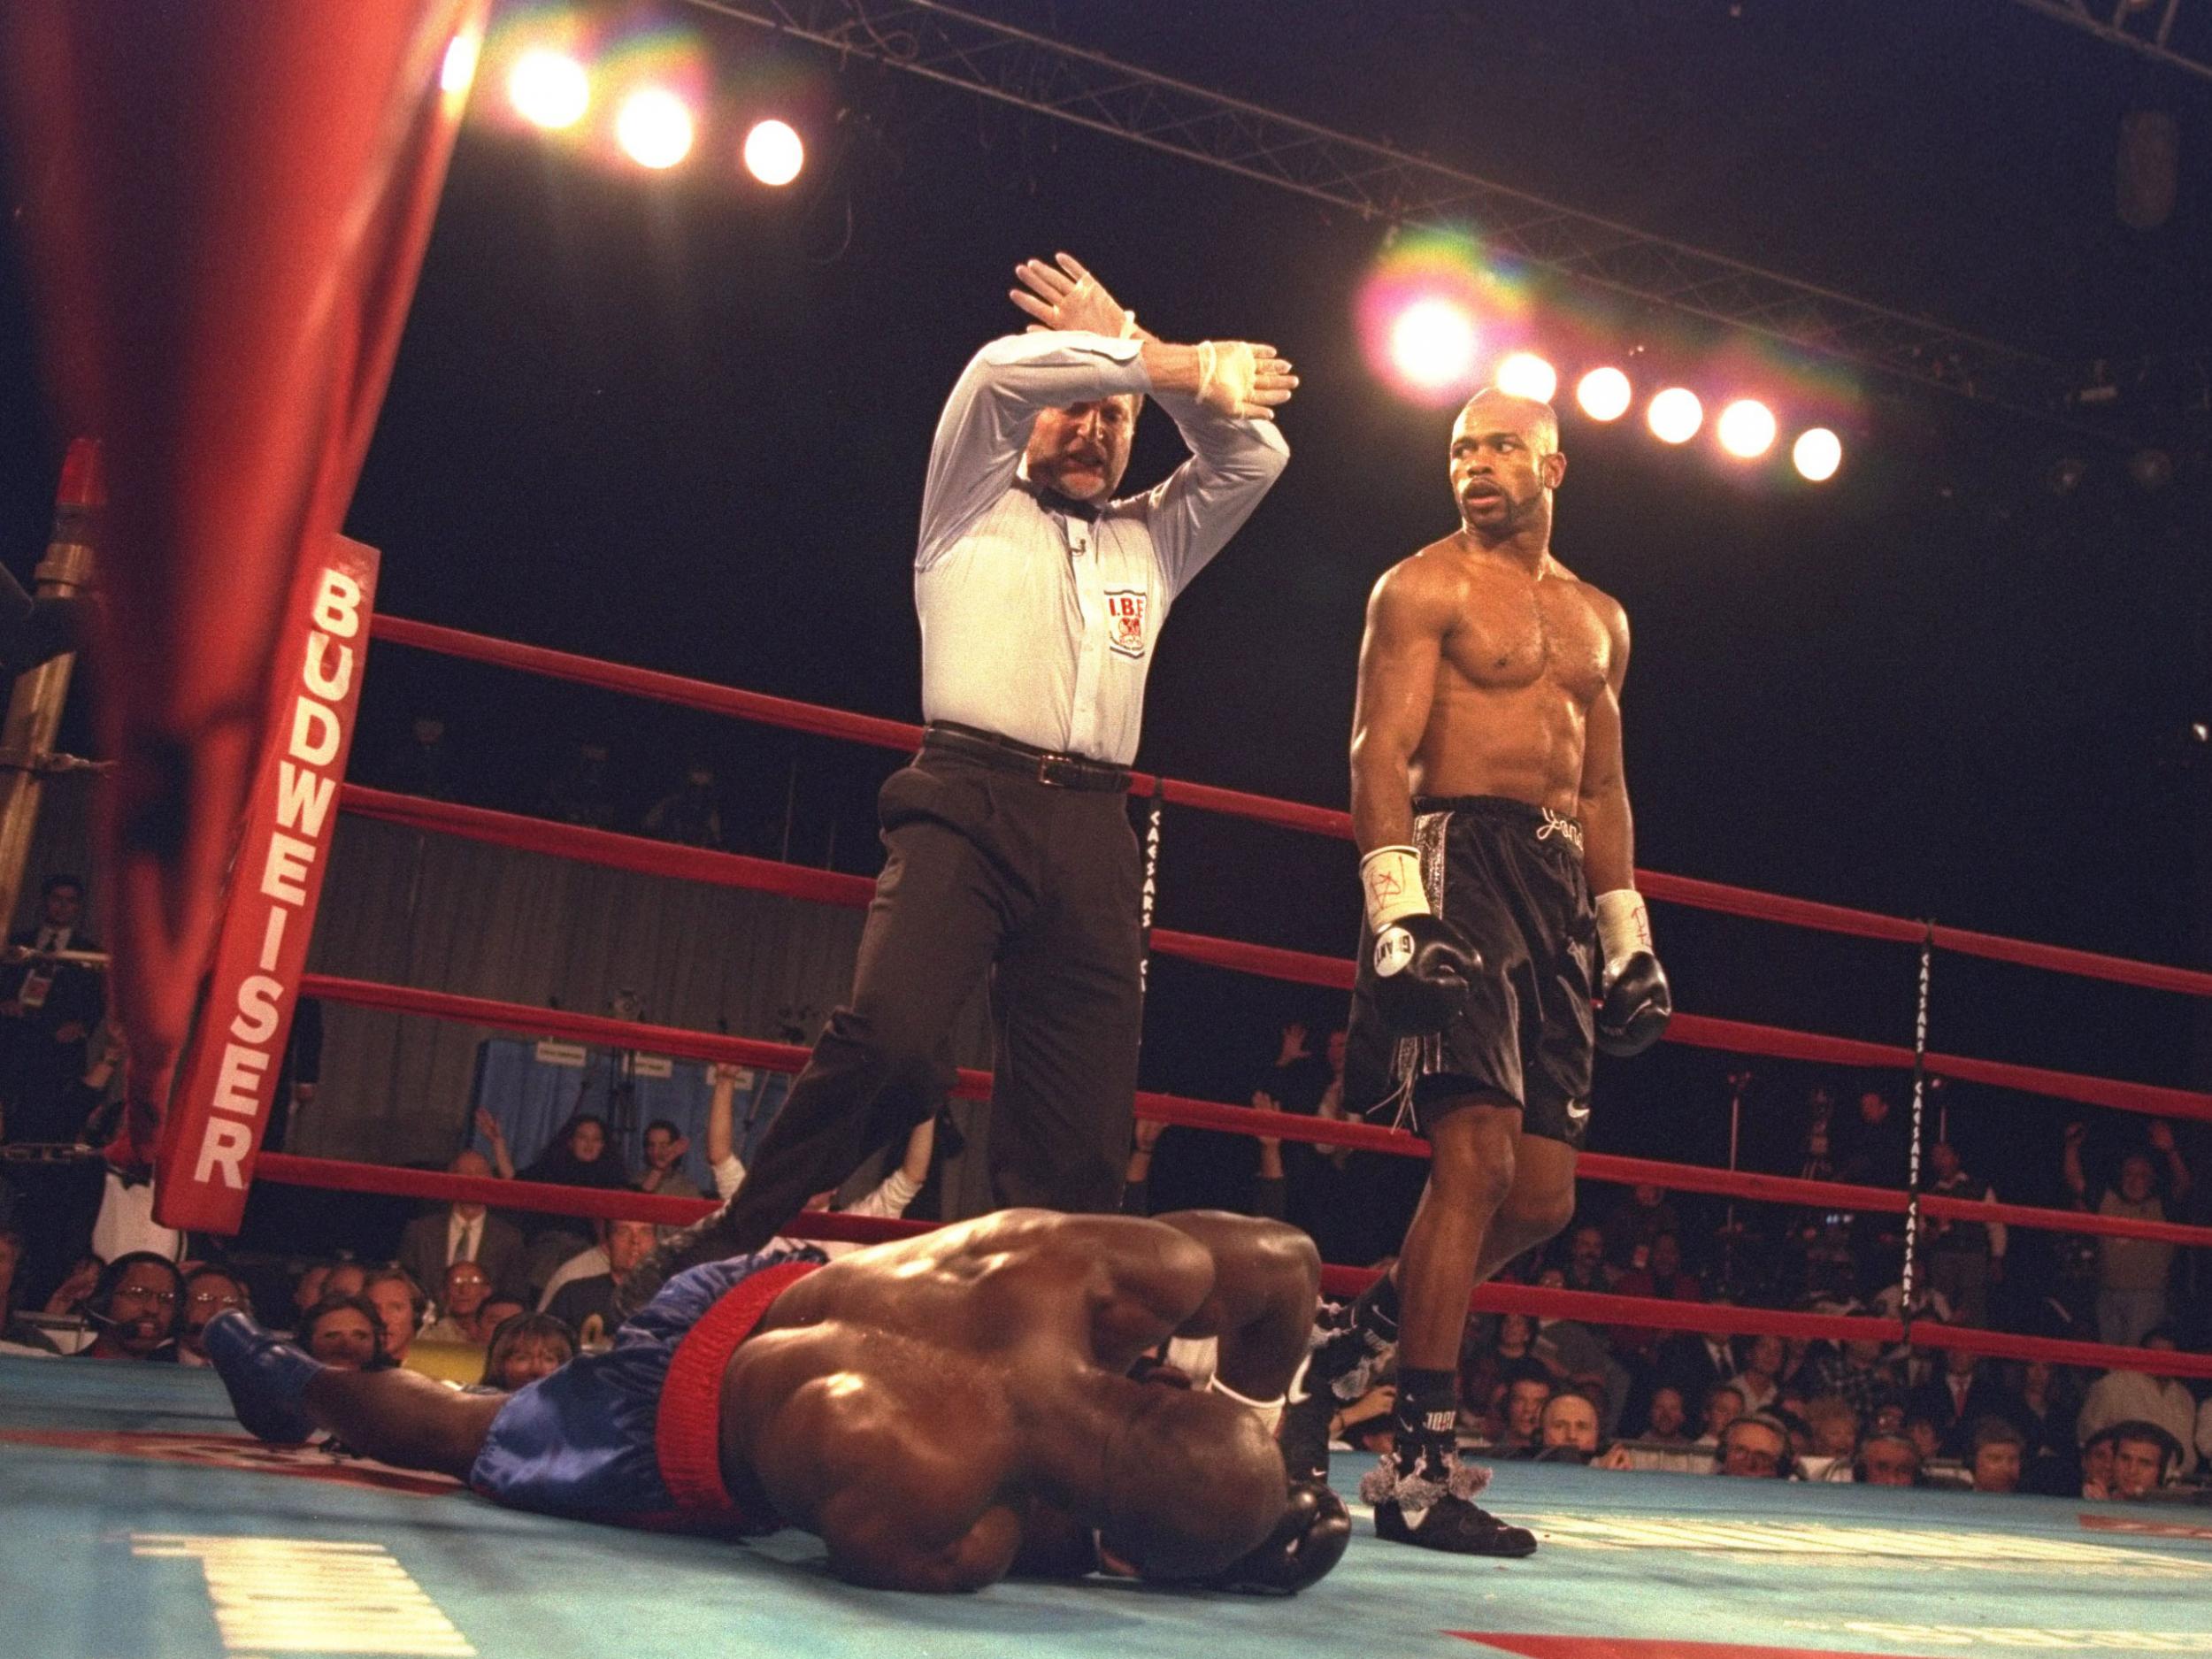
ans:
(634, 1435)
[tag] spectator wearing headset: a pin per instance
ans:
(2144, 1457)
(208, 1291)
(2134, 1396)
(1755, 1446)
(345, 1333)
(138, 1307)
(1569, 1432)
(400, 1305)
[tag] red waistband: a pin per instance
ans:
(688, 1428)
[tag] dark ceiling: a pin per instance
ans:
(1957, 160)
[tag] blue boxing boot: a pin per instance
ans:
(267, 1377)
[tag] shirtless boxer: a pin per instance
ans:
(1489, 803)
(941, 1411)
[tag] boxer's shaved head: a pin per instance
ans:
(1191, 1483)
(1505, 463)
(1491, 408)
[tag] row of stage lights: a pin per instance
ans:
(1429, 347)
(654, 125)
(1745, 429)
(1432, 345)
(1419, 316)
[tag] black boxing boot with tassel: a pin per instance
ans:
(1421, 1493)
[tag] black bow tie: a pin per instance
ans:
(1052, 501)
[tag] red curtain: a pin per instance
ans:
(223, 204)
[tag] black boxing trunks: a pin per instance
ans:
(1509, 875)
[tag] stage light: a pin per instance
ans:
(549, 88)
(1604, 394)
(654, 128)
(1525, 374)
(1432, 345)
(1675, 415)
(1433, 313)
(1817, 453)
(1746, 429)
(459, 70)
(774, 153)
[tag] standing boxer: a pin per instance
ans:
(1009, 852)
(1489, 803)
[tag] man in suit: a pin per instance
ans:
(1958, 1399)
(48, 1009)
(1694, 1363)
(463, 1232)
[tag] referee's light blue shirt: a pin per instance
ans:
(1039, 624)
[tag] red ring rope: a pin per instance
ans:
(1710, 896)
(730, 870)
(1196, 1114)
(634, 853)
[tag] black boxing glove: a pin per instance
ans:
(1635, 1003)
(1423, 966)
(1306, 1542)
(1422, 963)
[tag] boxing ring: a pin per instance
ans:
(139, 1521)
(142, 1522)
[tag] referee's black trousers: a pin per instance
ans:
(993, 874)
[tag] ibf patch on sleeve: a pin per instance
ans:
(1124, 620)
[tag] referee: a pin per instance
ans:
(1009, 853)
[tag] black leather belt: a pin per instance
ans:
(1003, 753)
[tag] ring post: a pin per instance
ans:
(211, 1133)
(35, 703)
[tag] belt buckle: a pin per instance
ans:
(1049, 769)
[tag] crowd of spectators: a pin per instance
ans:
(489, 1296)
(474, 1293)
(1622, 1396)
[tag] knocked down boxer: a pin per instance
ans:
(941, 1411)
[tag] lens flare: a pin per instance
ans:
(1746, 429)
(1525, 374)
(548, 89)
(458, 71)
(655, 127)
(1675, 415)
(1817, 453)
(1432, 347)
(661, 81)
(774, 153)
(1604, 394)
(1432, 311)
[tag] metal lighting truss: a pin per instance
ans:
(1034, 72)
(2143, 27)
